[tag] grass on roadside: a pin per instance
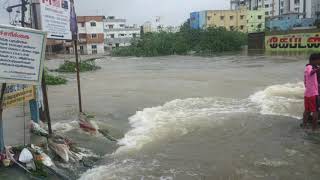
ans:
(70, 67)
(54, 80)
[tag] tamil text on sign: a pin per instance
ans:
(55, 18)
(21, 55)
(293, 42)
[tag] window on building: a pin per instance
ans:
(134, 35)
(209, 18)
(266, 6)
(122, 35)
(81, 50)
(93, 24)
(281, 4)
(93, 36)
(110, 26)
(241, 27)
(260, 26)
(259, 17)
(122, 25)
(231, 17)
(94, 49)
(221, 17)
(281, 11)
(111, 35)
(267, 13)
(297, 9)
(242, 17)
(231, 28)
(297, 2)
(82, 24)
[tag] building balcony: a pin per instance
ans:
(82, 40)
(121, 29)
(118, 40)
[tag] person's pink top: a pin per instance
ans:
(310, 82)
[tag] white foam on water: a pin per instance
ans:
(114, 171)
(284, 100)
(177, 118)
(271, 163)
(64, 127)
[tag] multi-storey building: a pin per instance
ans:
(230, 19)
(91, 34)
(306, 8)
(241, 20)
(118, 34)
(256, 21)
(147, 27)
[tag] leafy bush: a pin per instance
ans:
(206, 41)
(70, 67)
(54, 80)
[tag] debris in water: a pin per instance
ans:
(271, 163)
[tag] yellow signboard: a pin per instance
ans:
(293, 42)
(19, 96)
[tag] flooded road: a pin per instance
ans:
(193, 118)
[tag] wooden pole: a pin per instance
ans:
(78, 72)
(2, 146)
(36, 25)
(46, 103)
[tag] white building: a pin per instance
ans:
(91, 34)
(118, 34)
(147, 27)
(306, 8)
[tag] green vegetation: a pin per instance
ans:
(185, 41)
(70, 67)
(54, 80)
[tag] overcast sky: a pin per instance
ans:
(172, 12)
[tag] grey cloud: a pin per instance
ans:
(172, 12)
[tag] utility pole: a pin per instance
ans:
(78, 72)
(74, 30)
(23, 11)
(36, 25)
(2, 146)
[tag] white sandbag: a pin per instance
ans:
(25, 156)
(47, 160)
(31, 166)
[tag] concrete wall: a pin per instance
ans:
(289, 22)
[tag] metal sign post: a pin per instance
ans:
(2, 146)
(74, 31)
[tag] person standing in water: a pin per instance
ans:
(311, 91)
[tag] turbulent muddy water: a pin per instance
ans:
(194, 118)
